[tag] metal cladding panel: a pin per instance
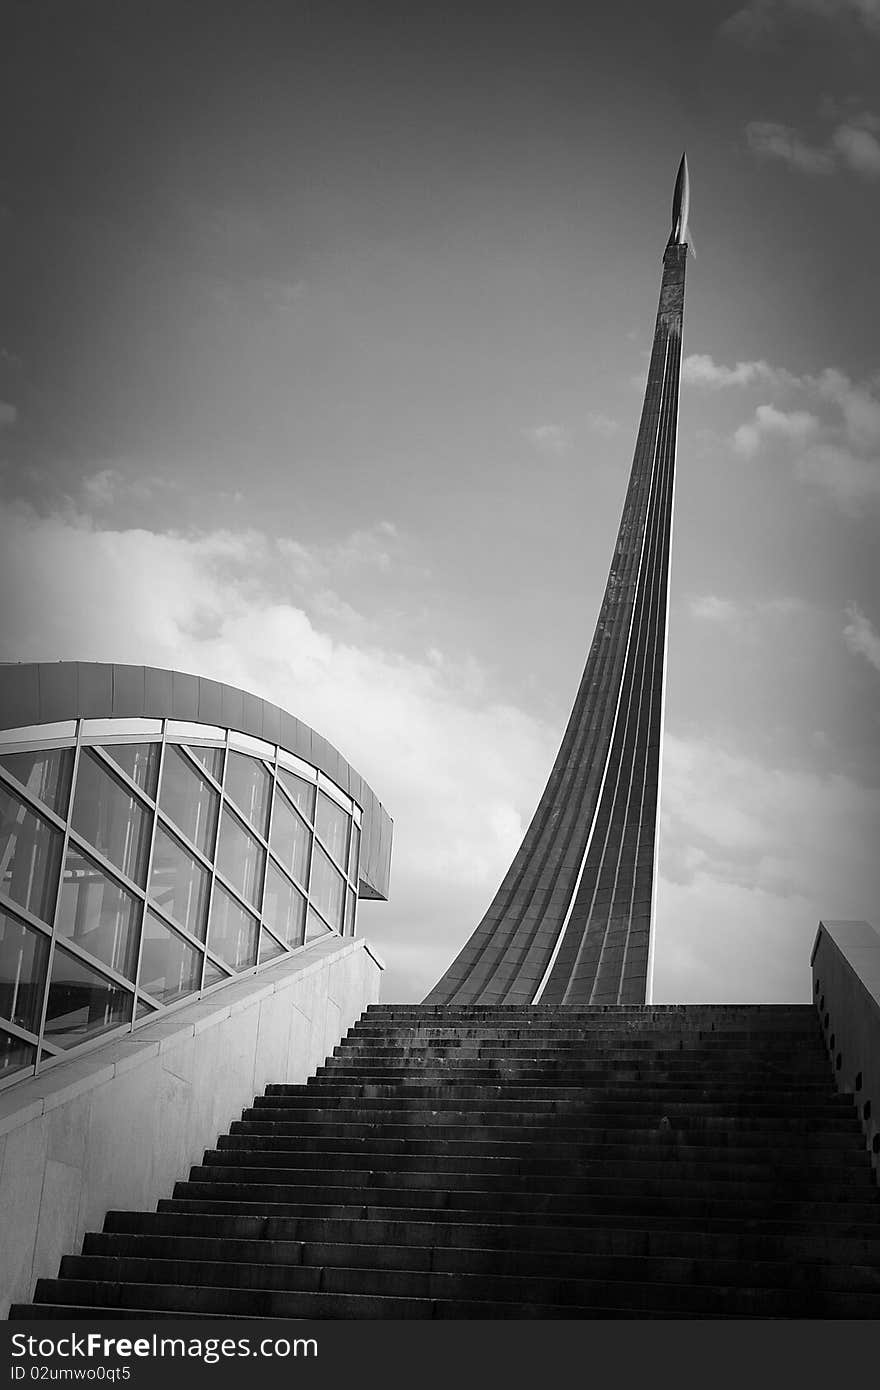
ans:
(48, 692)
(58, 691)
(19, 695)
(184, 696)
(94, 689)
(570, 923)
(210, 709)
(158, 688)
(252, 714)
(129, 692)
(232, 703)
(271, 722)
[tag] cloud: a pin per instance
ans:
(710, 608)
(769, 140)
(458, 766)
(551, 440)
(861, 637)
(368, 548)
(8, 414)
(699, 370)
(834, 443)
(795, 426)
(751, 857)
(110, 485)
(851, 145)
(759, 21)
(602, 424)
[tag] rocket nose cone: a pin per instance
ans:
(681, 201)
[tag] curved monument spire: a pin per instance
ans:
(571, 921)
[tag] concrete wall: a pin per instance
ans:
(118, 1127)
(846, 991)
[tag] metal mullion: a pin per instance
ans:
(317, 910)
(17, 1031)
(200, 765)
(120, 771)
(140, 949)
(50, 960)
(289, 798)
(168, 921)
(106, 864)
(213, 868)
(234, 892)
(16, 910)
(169, 824)
(154, 1003)
(68, 944)
(266, 860)
(279, 864)
(33, 802)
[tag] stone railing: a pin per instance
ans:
(846, 991)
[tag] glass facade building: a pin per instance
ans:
(147, 861)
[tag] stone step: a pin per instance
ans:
(414, 1189)
(558, 1100)
(846, 1143)
(481, 1293)
(518, 1162)
(544, 1119)
(127, 1256)
(857, 1221)
(773, 1167)
(725, 1239)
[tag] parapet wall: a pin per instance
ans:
(846, 991)
(118, 1127)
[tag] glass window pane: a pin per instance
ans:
(349, 912)
(179, 883)
(82, 1003)
(284, 908)
(269, 947)
(14, 1055)
(354, 856)
(143, 1009)
(23, 956)
(314, 926)
(249, 784)
(139, 760)
(30, 852)
(232, 934)
(240, 858)
(170, 967)
(327, 888)
(302, 793)
(188, 800)
(332, 823)
(210, 758)
(213, 974)
(98, 913)
(290, 839)
(46, 774)
(111, 817)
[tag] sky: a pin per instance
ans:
(323, 335)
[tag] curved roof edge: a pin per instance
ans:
(45, 692)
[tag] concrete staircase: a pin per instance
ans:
(517, 1162)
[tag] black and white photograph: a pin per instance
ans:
(439, 676)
